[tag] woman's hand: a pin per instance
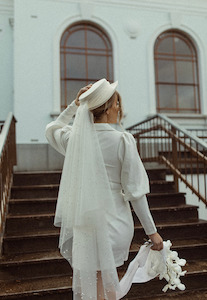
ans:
(157, 241)
(82, 90)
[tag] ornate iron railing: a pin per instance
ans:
(199, 132)
(161, 139)
(7, 161)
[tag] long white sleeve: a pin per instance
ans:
(141, 208)
(135, 182)
(58, 131)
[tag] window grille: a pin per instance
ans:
(85, 57)
(176, 74)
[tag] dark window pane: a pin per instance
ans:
(166, 71)
(80, 65)
(187, 97)
(184, 72)
(181, 47)
(97, 66)
(76, 66)
(166, 45)
(167, 96)
(178, 69)
(76, 39)
(94, 40)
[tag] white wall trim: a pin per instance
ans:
(201, 52)
(56, 54)
(192, 7)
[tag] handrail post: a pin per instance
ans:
(7, 161)
(175, 158)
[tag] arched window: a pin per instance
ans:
(176, 74)
(86, 56)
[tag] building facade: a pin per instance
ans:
(156, 49)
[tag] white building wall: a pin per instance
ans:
(132, 26)
(6, 58)
(132, 29)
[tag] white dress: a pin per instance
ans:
(126, 173)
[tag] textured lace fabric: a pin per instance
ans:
(82, 220)
(84, 237)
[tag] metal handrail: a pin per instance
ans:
(183, 130)
(174, 124)
(7, 161)
(163, 140)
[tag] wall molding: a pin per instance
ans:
(182, 6)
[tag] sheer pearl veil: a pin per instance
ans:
(84, 202)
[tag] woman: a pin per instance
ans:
(102, 172)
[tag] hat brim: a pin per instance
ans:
(92, 92)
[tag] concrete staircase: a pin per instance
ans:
(32, 268)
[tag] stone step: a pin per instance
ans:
(30, 243)
(53, 177)
(162, 186)
(176, 231)
(51, 263)
(200, 294)
(36, 178)
(29, 223)
(47, 205)
(40, 204)
(32, 206)
(56, 287)
(172, 214)
(48, 240)
(37, 222)
(51, 190)
(35, 191)
(165, 200)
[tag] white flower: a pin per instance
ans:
(172, 270)
(165, 288)
(181, 287)
(182, 262)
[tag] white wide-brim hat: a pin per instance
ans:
(100, 92)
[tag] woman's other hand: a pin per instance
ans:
(81, 91)
(157, 241)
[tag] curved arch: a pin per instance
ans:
(83, 47)
(56, 53)
(176, 73)
(201, 63)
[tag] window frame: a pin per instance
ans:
(108, 54)
(173, 56)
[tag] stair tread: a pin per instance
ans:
(35, 186)
(37, 172)
(46, 233)
(174, 194)
(161, 181)
(37, 215)
(177, 224)
(33, 200)
(53, 255)
(46, 284)
(29, 216)
(55, 231)
(57, 283)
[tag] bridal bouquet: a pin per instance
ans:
(149, 264)
(171, 269)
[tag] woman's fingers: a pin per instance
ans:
(157, 241)
(81, 91)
